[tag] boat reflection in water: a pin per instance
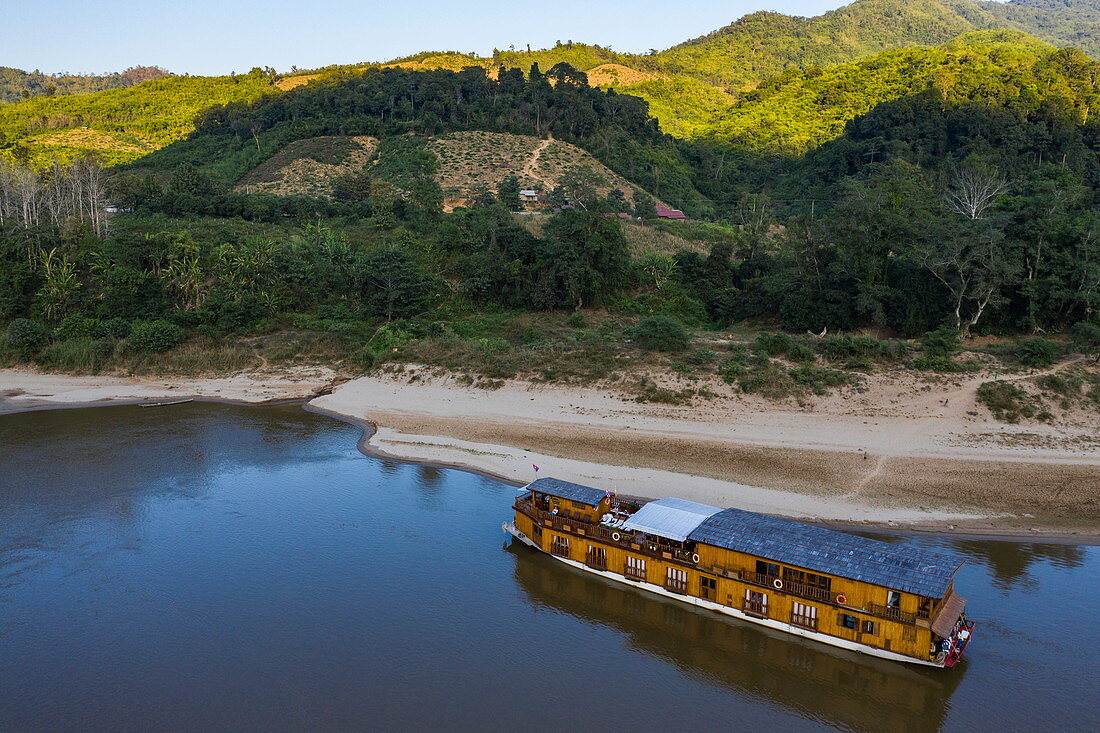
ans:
(832, 686)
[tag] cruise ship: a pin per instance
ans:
(892, 601)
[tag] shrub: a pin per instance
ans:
(1036, 352)
(772, 344)
(155, 336)
(79, 327)
(768, 382)
(388, 338)
(1086, 338)
(938, 347)
(819, 379)
(701, 357)
(801, 353)
(116, 328)
(941, 342)
(78, 355)
(576, 320)
(661, 333)
(860, 350)
(732, 368)
(1006, 401)
(26, 336)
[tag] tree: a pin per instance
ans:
(508, 193)
(588, 258)
(970, 259)
(974, 189)
(644, 206)
(392, 285)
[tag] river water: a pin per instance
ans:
(215, 567)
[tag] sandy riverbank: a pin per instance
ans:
(22, 390)
(900, 462)
(898, 467)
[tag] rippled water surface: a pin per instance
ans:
(212, 567)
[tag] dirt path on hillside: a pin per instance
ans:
(529, 167)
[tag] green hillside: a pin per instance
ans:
(764, 44)
(797, 111)
(119, 124)
(16, 84)
(1062, 22)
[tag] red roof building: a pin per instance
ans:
(664, 212)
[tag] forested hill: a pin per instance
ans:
(16, 84)
(764, 44)
(403, 107)
(1062, 22)
(797, 111)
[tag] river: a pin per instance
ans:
(217, 567)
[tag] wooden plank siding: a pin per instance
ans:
(732, 573)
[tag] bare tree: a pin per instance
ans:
(974, 189)
(63, 193)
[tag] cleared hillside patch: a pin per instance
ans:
(613, 75)
(290, 82)
(309, 167)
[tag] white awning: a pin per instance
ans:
(671, 518)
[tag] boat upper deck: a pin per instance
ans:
(896, 566)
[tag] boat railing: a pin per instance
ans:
(896, 614)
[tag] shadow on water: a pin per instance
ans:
(834, 686)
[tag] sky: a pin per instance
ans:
(220, 36)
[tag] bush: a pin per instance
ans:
(701, 357)
(83, 355)
(860, 350)
(938, 347)
(801, 353)
(1086, 338)
(26, 336)
(819, 379)
(732, 368)
(941, 342)
(155, 336)
(79, 327)
(772, 344)
(1006, 401)
(661, 333)
(1036, 352)
(116, 328)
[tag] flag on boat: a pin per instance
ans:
(535, 467)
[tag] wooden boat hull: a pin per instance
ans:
(511, 529)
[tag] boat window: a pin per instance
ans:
(767, 568)
(635, 566)
(893, 599)
(848, 622)
(812, 580)
(803, 614)
(869, 627)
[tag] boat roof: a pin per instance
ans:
(900, 567)
(671, 518)
(568, 490)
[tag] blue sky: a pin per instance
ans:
(216, 37)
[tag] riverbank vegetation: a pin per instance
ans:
(933, 210)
